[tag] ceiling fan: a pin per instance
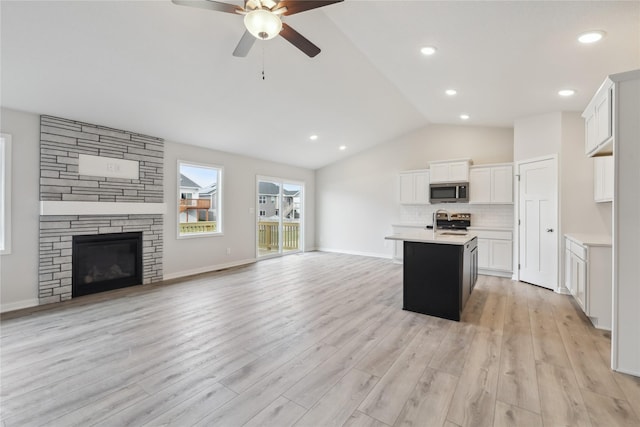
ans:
(262, 19)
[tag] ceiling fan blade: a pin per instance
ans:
(209, 5)
(244, 45)
(299, 41)
(297, 6)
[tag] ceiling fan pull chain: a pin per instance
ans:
(262, 61)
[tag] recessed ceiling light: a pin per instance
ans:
(313, 137)
(342, 147)
(566, 92)
(591, 36)
(451, 92)
(428, 50)
(464, 116)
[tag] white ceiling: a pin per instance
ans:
(165, 70)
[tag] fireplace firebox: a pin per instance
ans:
(103, 262)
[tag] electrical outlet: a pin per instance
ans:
(228, 251)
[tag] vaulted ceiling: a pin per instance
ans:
(157, 68)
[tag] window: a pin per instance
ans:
(263, 213)
(5, 193)
(199, 200)
(262, 199)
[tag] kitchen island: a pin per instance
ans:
(440, 270)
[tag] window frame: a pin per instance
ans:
(219, 205)
(5, 194)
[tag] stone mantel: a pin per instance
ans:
(101, 208)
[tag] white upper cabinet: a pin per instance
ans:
(603, 169)
(491, 184)
(414, 187)
(480, 185)
(449, 171)
(598, 119)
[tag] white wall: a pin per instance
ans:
(579, 212)
(358, 200)
(194, 255)
(562, 134)
(537, 136)
(19, 270)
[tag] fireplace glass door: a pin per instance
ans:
(106, 261)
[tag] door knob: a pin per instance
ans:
(549, 230)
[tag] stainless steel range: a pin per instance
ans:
(454, 221)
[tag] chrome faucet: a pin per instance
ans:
(435, 215)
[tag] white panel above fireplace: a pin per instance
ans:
(101, 208)
(108, 167)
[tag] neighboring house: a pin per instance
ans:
(210, 193)
(268, 194)
(188, 189)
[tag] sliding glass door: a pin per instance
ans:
(279, 216)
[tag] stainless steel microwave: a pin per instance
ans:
(449, 193)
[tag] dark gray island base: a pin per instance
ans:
(438, 278)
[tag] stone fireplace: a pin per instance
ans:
(96, 183)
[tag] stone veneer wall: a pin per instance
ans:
(56, 238)
(61, 142)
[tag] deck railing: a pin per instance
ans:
(198, 227)
(188, 204)
(268, 235)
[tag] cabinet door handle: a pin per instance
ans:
(549, 230)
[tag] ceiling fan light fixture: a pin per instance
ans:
(262, 24)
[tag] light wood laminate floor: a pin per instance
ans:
(314, 339)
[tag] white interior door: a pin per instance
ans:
(538, 223)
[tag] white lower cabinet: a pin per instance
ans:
(588, 276)
(495, 251)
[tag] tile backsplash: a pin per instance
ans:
(481, 215)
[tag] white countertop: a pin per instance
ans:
(489, 228)
(586, 239)
(428, 236)
(472, 227)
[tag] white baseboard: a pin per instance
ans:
(628, 372)
(495, 273)
(11, 306)
(207, 269)
(562, 290)
(342, 251)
